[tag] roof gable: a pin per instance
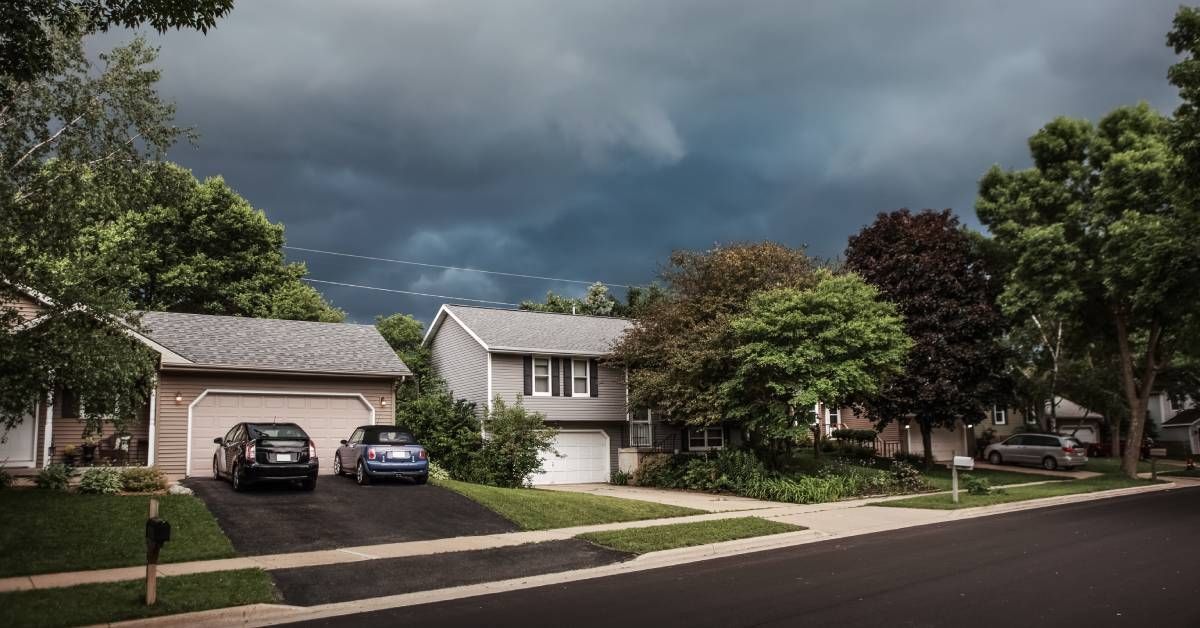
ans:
(524, 331)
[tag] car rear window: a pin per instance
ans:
(389, 437)
(277, 431)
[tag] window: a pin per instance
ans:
(277, 430)
(389, 437)
(704, 438)
(579, 377)
(832, 415)
(356, 437)
(68, 404)
(541, 376)
(1176, 404)
(999, 415)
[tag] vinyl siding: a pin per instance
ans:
(508, 382)
(171, 425)
(69, 431)
(614, 431)
(855, 421)
(26, 307)
(459, 360)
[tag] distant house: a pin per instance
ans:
(212, 372)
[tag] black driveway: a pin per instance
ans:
(1129, 561)
(274, 519)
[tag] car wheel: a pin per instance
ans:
(309, 484)
(337, 464)
(1049, 463)
(235, 476)
(216, 473)
(360, 474)
(421, 479)
(995, 458)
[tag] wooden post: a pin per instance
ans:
(954, 476)
(152, 561)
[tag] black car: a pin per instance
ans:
(261, 452)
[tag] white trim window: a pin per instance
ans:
(999, 415)
(541, 377)
(579, 378)
(706, 438)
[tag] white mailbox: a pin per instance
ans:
(964, 462)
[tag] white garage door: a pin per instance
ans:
(326, 419)
(945, 443)
(18, 446)
(582, 458)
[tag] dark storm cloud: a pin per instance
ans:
(588, 139)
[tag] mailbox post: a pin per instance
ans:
(158, 532)
(1155, 454)
(966, 463)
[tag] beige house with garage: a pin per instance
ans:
(213, 372)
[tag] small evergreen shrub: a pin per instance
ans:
(619, 478)
(55, 477)
(436, 472)
(976, 486)
(143, 480)
(100, 481)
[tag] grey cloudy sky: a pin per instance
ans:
(589, 139)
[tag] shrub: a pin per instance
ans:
(976, 486)
(906, 478)
(143, 480)
(619, 478)
(908, 458)
(661, 470)
(100, 480)
(516, 439)
(447, 427)
(55, 477)
(857, 436)
(6, 478)
(437, 472)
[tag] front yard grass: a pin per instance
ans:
(940, 479)
(1112, 466)
(671, 536)
(535, 509)
(1187, 473)
(46, 531)
(88, 604)
(1016, 494)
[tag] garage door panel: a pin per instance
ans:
(582, 458)
(326, 419)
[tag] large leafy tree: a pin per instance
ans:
(927, 264)
(681, 352)
(1101, 238)
(598, 301)
(832, 343)
(404, 334)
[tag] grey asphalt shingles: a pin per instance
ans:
(280, 518)
(306, 586)
(542, 331)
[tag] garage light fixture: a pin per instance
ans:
(383, 401)
(178, 398)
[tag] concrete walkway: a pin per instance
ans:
(686, 499)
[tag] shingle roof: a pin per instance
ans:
(270, 344)
(1185, 417)
(520, 330)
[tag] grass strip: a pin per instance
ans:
(671, 536)
(1016, 494)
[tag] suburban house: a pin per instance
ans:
(213, 372)
(1178, 422)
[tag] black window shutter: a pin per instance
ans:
(568, 366)
(528, 375)
(555, 387)
(593, 375)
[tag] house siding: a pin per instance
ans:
(27, 308)
(461, 362)
(508, 382)
(68, 430)
(171, 424)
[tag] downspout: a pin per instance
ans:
(153, 421)
(49, 428)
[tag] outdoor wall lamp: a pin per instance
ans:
(178, 398)
(907, 426)
(383, 401)
(970, 426)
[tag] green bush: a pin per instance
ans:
(100, 480)
(619, 478)
(6, 478)
(857, 436)
(448, 428)
(515, 441)
(976, 486)
(437, 472)
(143, 480)
(906, 478)
(55, 477)
(661, 470)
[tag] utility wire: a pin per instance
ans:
(473, 270)
(419, 294)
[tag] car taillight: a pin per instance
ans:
(1069, 450)
(371, 453)
(251, 452)
(312, 450)
(421, 455)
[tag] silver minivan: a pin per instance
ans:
(1049, 451)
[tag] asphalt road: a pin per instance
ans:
(279, 518)
(1132, 561)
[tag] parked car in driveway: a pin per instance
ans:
(382, 451)
(266, 452)
(1050, 451)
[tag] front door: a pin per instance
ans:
(18, 446)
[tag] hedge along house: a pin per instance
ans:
(215, 371)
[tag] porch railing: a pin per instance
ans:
(639, 434)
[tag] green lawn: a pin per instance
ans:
(655, 538)
(1017, 494)
(1112, 466)
(1193, 473)
(940, 477)
(118, 601)
(47, 531)
(534, 509)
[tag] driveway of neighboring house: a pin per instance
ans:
(688, 499)
(274, 519)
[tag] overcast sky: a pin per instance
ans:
(587, 140)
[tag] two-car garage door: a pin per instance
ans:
(583, 457)
(327, 419)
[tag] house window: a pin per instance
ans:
(705, 438)
(832, 416)
(999, 415)
(541, 376)
(69, 404)
(1176, 404)
(579, 377)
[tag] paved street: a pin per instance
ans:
(1068, 565)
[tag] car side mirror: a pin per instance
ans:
(218, 440)
(343, 441)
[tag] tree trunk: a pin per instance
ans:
(927, 442)
(1137, 397)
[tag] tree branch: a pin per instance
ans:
(44, 142)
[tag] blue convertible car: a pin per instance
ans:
(382, 451)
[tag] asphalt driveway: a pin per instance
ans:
(276, 519)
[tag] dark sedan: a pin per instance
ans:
(382, 451)
(266, 452)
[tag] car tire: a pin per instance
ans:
(421, 479)
(216, 472)
(995, 458)
(337, 465)
(235, 477)
(1049, 463)
(309, 484)
(360, 474)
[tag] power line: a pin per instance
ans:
(419, 294)
(473, 270)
